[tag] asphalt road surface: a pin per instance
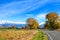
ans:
(53, 35)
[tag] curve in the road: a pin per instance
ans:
(49, 36)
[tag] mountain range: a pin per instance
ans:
(12, 24)
(18, 25)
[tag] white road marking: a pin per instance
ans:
(49, 36)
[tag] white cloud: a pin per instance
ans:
(19, 22)
(6, 21)
(41, 18)
(42, 23)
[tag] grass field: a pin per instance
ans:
(21, 35)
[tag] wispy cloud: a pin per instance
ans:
(24, 9)
(20, 7)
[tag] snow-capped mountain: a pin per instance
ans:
(42, 25)
(6, 23)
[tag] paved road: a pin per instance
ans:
(53, 35)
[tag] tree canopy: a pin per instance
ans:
(32, 23)
(52, 15)
(52, 20)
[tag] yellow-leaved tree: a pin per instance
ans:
(52, 20)
(32, 23)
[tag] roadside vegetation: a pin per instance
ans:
(40, 36)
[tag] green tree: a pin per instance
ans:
(32, 23)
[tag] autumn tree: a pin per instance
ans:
(51, 18)
(58, 23)
(32, 23)
(47, 25)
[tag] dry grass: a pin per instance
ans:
(17, 34)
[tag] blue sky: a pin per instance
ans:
(20, 10)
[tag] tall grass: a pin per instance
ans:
(14, 34)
